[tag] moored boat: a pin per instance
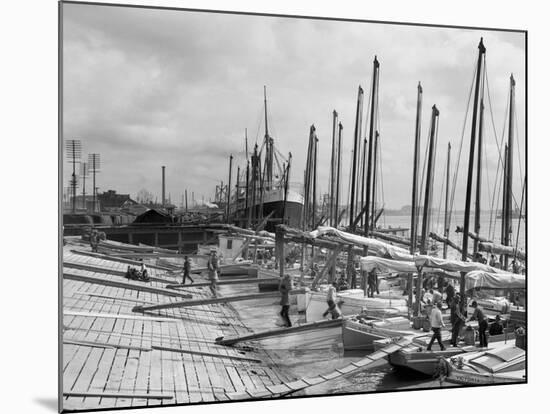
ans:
(503, 364)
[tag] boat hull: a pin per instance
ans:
(273, 204)
(421, 361)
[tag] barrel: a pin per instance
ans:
(469, 336)
(417, 322)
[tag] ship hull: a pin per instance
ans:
(274, 206)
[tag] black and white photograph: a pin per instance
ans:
(262, 206)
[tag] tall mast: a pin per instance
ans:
(447, 218)
(429, 180)
(466, 229)
(316, 144)
(415, 168)
(287, 178)
(477, 214)
(229, 188)
(332, 169)
(363, 172)
(374, 163)
(246, 203)
(338, 170)
(504, 189)
(268, 142)
(374, 98)
(356, 137)
(509, 170)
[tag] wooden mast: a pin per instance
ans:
(374, 164)
(427, 203)
(481, 53)
(229, 188)
(415, 168)
(287, 178)
(338, 171)
(429, 181)
(509, 170)
(314, 204)
(374, 98)
(477, 214)
(356, 137)
(333, 159)
(446, 223)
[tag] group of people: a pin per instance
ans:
(135, 274)
(458, 319)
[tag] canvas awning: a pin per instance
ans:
(502, 280)
(453, 265)
(381, 248)
(373, 262)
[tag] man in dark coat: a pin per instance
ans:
(482, 322)
(285, 286)
(187, 271)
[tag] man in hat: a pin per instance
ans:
(496, 327)
(482, 323)
(213, 268)
(187, 271)
(285, 286)
(457, 319)
(436, 320)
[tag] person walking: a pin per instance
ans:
(187, 271)
(436, 320)
(285, 286)
(331, 302)
(213, 268)
(482, 323)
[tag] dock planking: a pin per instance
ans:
(99, 377)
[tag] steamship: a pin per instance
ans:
(264, 192)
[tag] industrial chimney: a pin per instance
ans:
(163, 188)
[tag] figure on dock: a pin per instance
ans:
(331, 302)
(496, 327)
(94, 240)
(285, 286)
(186, 271)
(436, 320)
(143, 272)
(213, 268)
(457, 319)
(482, 322)
(372, 281)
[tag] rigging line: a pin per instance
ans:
(424, 167)
(487, 179)
(455, 175)
(517, 142)
(500, 147)
(519, 218)
(436, 138)
(500, 182)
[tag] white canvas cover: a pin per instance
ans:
(382, 248)
(502, 280)
(453, 265)
(371, 262)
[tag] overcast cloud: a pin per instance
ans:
(146, 88)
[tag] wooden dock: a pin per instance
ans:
(113, 357)
(130, 343)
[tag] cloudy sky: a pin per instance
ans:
(146, 88)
